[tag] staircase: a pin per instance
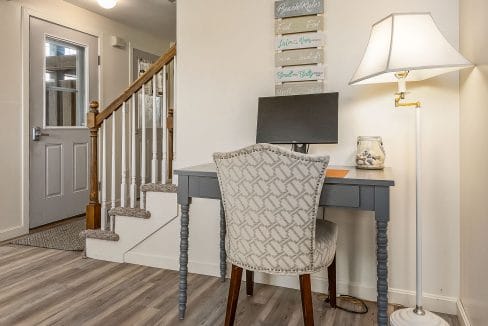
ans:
(132, 198)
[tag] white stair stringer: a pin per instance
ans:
(132, 231)
(161, 249)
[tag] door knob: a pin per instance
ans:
(37, 133)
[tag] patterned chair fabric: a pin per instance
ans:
(270, 197)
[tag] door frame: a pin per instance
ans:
(135, 45)
(26, 14)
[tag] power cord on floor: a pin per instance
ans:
(353, 300)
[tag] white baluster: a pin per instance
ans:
(104, 222)
(143, 144)
(113, 200)
(123, 185)
(164, 141)
(175, 106)
(100, 173)
(154, 175)
(133, 171)
(114, 159)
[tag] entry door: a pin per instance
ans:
(63, 79)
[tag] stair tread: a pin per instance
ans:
(128, 211)
(100, 235)
(159, 187)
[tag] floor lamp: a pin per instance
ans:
(409, 47)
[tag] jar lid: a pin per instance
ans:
(378, 138)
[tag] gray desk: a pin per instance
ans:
(367, 190)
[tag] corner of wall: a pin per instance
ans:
(461, 313)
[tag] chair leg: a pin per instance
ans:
(249, 282)
(306, 293)
(235, 286)
(331, 271)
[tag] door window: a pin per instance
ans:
(64, 83)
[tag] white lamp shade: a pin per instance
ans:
(407, 42)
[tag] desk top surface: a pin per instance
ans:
(354, 176)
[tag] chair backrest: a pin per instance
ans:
(270, 197)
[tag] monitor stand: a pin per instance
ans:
(300, 148)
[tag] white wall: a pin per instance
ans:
(115, 78)
(225, 62)
(474, 154)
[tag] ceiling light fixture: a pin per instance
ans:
(107, 4)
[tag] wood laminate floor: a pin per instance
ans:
(52, 287)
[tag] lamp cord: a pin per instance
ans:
(353, 300)
(347, 298)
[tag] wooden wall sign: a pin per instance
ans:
(302, 88)
(299, 44)
(300, 41)
(294, 8)
(300, 73)
(299, 57)
(299, 25)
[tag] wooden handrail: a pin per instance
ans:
(95, 120)
(136, 85)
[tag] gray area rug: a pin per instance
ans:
(62, 237)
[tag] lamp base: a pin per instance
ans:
(406, 317)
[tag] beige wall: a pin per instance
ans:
(225, 62)
(474, 155)
(115, 77)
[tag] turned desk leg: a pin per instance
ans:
(382, 271)
(382, 212)
(223, 255)
(185, 219)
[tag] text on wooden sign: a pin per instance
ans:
(299, 25)
(300, 73)
(299, 57)
(301, 88)
(300, 41)
(294, 8)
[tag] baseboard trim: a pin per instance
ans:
(157, 261)
(432, 302)
(437, 303)
(13, 232)
(462, 315)
(166, 262)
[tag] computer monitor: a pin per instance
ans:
(298, 120)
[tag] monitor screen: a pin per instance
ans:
(298, 119)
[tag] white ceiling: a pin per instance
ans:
(157, 17)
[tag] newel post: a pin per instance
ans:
(93, 208)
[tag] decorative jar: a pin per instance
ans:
(370, 153)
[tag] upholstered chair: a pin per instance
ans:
(270, 197)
